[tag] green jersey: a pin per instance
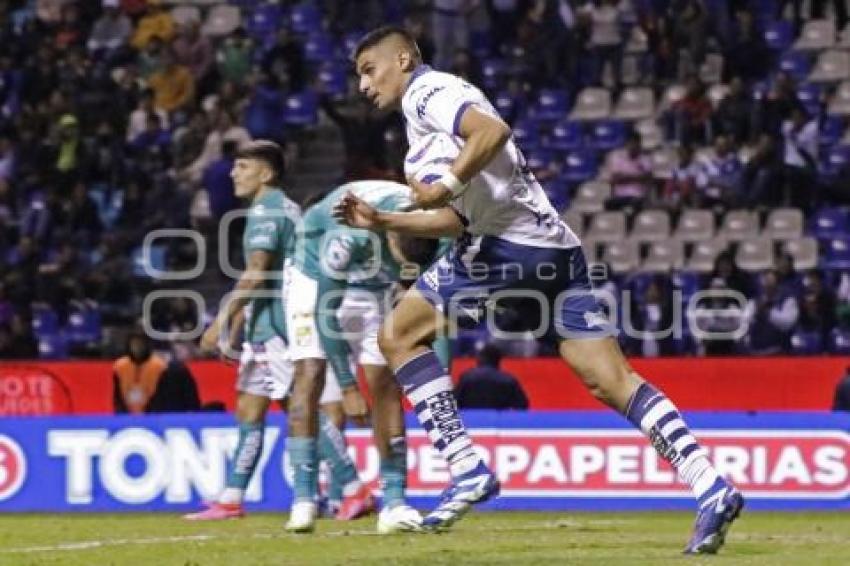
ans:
(358, 257)
(270, 226)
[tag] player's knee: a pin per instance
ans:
(250, 410)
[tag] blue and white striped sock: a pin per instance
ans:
(653, 413)
(430, 391)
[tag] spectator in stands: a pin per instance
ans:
(488, 387)
(111, 31)
(719, 317)
(285, 61)
(729, 275)
(69, 151)
(787, 275)
(777, 106)
(226, 129)
(194, 51)
(449, 26)
(746, 39)
(690, 117)
(110, 279)
(155, 137)
(17, 341)
(680, 190)
(772, 314)
(604, 20)
(631, 175)
(800, 158)
(734, 114)
(762, 176)
(817, 11)
(417, 28)
(466, 67)
(7, 310)
(150, 60)
(649, 328)
(218, 183)
(819, 304)
(234, 57)
(841, 400)
(721, 176)
(59, 277)
(690, 32)
(173, 86)
(81, 217)
(138, 121)
(143, 382)
(264, 112)
(156, 23)
(7, 158)
(69, 33)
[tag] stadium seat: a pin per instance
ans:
(53, 347)
(264, 21)
(804, 252)
(816, 35)
(539, 158)
(591, 250)
(831, 223)
(695, 225)
(185, 15)
(606, 135)
(716, 93)
(635, 103)
(843, 40)
(831, 131)
(837, 254)
(580, 166)
(755, 255)
(505, 104)
(839, 341)
(557, 190)
(622, 256)
(607, 227)
(551, 104)
(686, 281)
(832, 66)
(784, 224)
(156, 257)
(651, 136)
(779, 35)
(492, 73)
(664, 256)
(301, 109)
(836, 160)
(566, 136)
(797, 64)
(222, 20)
(590, 197)
(83, 326)
(305, 18)
(664, 160)
(592, 104)
(45, 322)
(637, 42)
(809, 96)
(334, 79)
(704, 254)
(575, 220)
(806, 343)
(672, 94)
(651, 226)
(527, 134)
(840, 104)
(318, 47)
(739, 225)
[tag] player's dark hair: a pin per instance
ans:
(268, 152)
(490, 355)
(421, 251)
(378, 35)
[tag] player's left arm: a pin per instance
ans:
(259, 262)
(484, 136)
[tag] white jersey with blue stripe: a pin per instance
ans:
(504, 200)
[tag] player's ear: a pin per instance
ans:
(406, 61)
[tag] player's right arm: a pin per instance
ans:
(355, 212)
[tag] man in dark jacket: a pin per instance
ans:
(488, 387)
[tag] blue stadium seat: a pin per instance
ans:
(157, 260)
(539, 159)
(318, 48)
(830, 223)
(831, 131)
(83, 326)
(836, 159)
(551, 104)
(45, 322)
(809, 96)
(334, 79)
(349, 44)
(566, 136)
(839, 341)
(492, 73)
(779, 35)
(687, 282)
(837, 254)
(796, 64)
(579, 166)
(806, 343)
(607, 134)
(301, 109)
(264, 21)
(480, 43)
(527, 135)
(53, 347)
(305, 18)
(506, 104)
(558, 191)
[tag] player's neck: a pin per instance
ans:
(261, 192)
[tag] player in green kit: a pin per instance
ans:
(257, 313)
(341, 288)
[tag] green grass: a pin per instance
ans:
(612, 539)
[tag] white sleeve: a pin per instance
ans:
(441, 106)
(786, 315)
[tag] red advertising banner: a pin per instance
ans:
(740, 384)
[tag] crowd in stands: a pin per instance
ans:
(694, 145)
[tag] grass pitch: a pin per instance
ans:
(612, 539)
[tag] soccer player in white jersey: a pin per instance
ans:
(491, 201)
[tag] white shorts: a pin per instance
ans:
(360, 316)
(266, 370)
